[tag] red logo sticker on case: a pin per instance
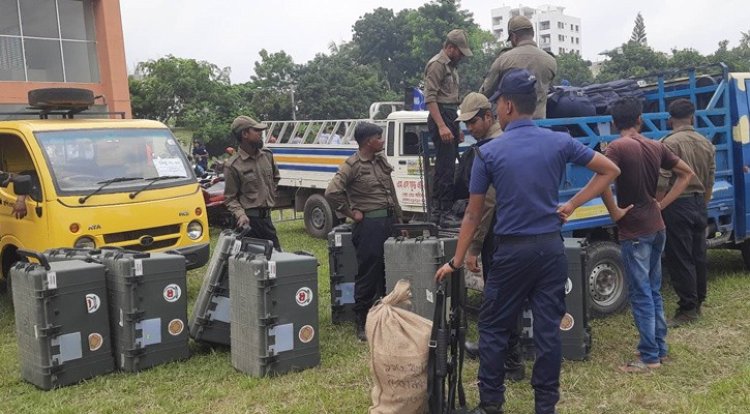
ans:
(172, 293)
(92, 302)
(304, 296)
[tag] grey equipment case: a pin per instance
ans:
(148, 307)
(342, 267)
(274, 312)
(575, 331)
(210, 319)
(62, 321)
(418, 259)
(71, 253)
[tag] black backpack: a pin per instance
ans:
(462, 177)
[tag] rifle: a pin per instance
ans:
(446, 355)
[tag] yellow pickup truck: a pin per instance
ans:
(97, 182)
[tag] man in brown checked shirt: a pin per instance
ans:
(363, 191)
(251, 177)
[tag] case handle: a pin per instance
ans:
(409, 228)
(34, 255)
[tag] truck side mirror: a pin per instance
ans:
(22, 184)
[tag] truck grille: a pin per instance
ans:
(161, 244)
(135, 235)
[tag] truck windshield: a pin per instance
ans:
(80, 160)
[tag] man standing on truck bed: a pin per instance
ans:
(640, 225)
(686, 218)
(525, 167)
(363, 190)
(251, 177)
(525, 54)
(442, 99)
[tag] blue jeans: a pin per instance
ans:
(642, 259)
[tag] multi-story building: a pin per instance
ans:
(555, 31)
(62, 43)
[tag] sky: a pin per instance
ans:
(232, 32)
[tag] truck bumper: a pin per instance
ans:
(195, 256)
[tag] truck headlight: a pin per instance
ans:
(85, 242)
(195, 230)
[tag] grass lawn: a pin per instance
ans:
(710, 372)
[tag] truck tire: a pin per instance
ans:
(318, 216)
(608, 289)
(65, 97)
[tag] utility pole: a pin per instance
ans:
(294, 105)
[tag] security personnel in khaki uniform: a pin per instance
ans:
(363, 191)
(442, 99)
(524, 55)
(687, 217)
(476, 113)
(251, 177)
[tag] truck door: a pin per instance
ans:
(408, 175)
(15, 158)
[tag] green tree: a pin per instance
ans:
(639, 31)
(686, 58)
(631, 59)
(574, 69)
(336, 86)
(271, 87)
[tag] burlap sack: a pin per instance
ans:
(398, 342)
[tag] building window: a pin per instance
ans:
(572, 40)
(48, 41)
(499, 33)
(560, 25)
(576, 28)
(561, 38)
(577, 40)
(562, 50)
(545, 39)
(544, 25)
(496, 21)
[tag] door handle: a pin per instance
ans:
(402, 162)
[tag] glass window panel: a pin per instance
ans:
(76, 19)
(11, 59)
(39, 18)
(9, 18)
(43, 60)
(80, 62)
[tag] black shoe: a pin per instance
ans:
(488, 409)
(471, 349)
(683, 317)
(361, 335)
(515, 374)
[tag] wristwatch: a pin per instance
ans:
(452, 266)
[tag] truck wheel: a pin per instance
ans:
(319, 217)
(608, 290)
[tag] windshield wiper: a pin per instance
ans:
(106, 183)
(154, 180)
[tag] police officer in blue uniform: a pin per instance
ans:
(525, 167)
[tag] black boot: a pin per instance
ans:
(472, 349)
(514, 368)
(488, 409)
(361, 335)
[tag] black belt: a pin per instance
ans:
(502, 239)
(258, 212)
(452, 107)
(691, 195)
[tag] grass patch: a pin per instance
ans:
(710, 372)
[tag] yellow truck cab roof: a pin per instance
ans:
(68, 124)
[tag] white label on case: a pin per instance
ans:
(138, 267)
(236, 247)
(122, 321)
(428, 293)
(337, 240)
(271, 270)
(51, 280)
(568, 286)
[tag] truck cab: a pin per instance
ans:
(98, 182)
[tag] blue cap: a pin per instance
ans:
(515, 82)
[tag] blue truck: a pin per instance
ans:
(722, 101)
